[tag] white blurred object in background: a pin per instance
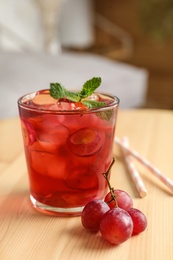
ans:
(50, 11)
(76, 24)
(27, 25)
(20, 27)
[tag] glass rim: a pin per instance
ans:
(21, 104)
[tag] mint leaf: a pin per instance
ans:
(90, 86)
(105, 115)
(58, 91)
(93, 104)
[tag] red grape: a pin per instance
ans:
(139, 220)
(123, 200)
(92, 214)
(116, 226)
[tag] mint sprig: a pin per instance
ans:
(58, 91)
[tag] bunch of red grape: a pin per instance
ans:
(115, 217)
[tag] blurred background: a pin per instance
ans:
(128, 36)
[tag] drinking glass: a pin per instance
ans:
(67, 151)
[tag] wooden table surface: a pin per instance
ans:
(28, 234)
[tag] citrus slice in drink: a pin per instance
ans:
(85, 142)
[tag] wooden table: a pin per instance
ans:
(28, 234)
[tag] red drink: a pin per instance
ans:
(67, 147)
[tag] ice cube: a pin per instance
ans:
(44, 99)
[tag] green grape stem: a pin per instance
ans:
(106, 175)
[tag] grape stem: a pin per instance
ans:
(106, 175)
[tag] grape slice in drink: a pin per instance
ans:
(85, 142)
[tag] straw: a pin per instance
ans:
(168, 182)
(132, 170)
